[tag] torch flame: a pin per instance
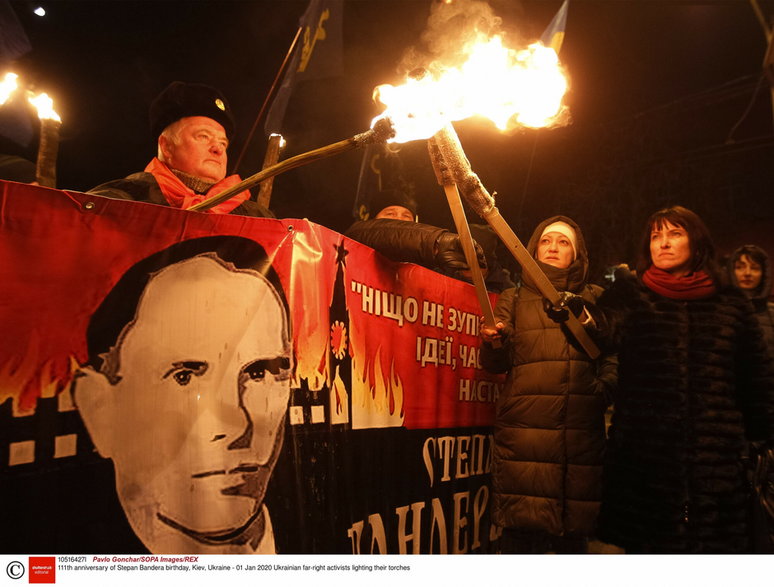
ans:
(45, 107)
(8, 86)
(509, 87)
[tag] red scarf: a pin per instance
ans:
(688, 287)
(178, 195)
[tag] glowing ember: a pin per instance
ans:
(45, 107)
(7, 86)
(509, 87)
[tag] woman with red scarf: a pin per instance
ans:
(695, 385)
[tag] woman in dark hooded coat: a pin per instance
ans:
(549, 428)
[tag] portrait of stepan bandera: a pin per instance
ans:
(186, 390)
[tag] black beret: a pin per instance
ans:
(385, 198)
(15, 168)
(181, 99)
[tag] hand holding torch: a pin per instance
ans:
(483, 204)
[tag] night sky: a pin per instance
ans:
(668, 102)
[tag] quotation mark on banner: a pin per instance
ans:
(15, 570)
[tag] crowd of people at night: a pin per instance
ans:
(661, 444)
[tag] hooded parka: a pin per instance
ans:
(549, 428)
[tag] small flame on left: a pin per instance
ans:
(8, 86)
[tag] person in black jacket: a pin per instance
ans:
(749, 268)
(394, 232)
(193, 125)
(695, 387)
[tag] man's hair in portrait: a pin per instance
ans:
(118, 310)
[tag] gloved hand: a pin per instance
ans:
(622, 271)
(449, 256)
(568, 302)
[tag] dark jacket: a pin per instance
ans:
(549, 429)
(413, 242)
(694, 386)
(398, 240)
(143, 187)
(764, 309)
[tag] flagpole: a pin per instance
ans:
(768, 59)
(761, 19)
(269, 96)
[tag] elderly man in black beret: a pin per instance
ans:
(193, 125)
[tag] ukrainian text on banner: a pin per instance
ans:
(182, 382)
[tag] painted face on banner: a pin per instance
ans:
(196, 417)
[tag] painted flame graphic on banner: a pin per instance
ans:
(28, 378)
(377, 399)
(509, 87)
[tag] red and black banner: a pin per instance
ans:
(234, 382)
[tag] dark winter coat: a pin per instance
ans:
(694, 385)
(549, 428)
(414, 242)
(143, 187)
(398, 240)
(764, 309)
(763, 457)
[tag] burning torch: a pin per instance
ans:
(8, 86)
(445, 177)
(479, 199)
(48, 146)
(510, 88)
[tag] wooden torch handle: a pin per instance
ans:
(273, 148)
(443, 175)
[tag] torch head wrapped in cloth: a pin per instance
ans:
(452, 166)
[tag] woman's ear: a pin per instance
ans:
(93, 396)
